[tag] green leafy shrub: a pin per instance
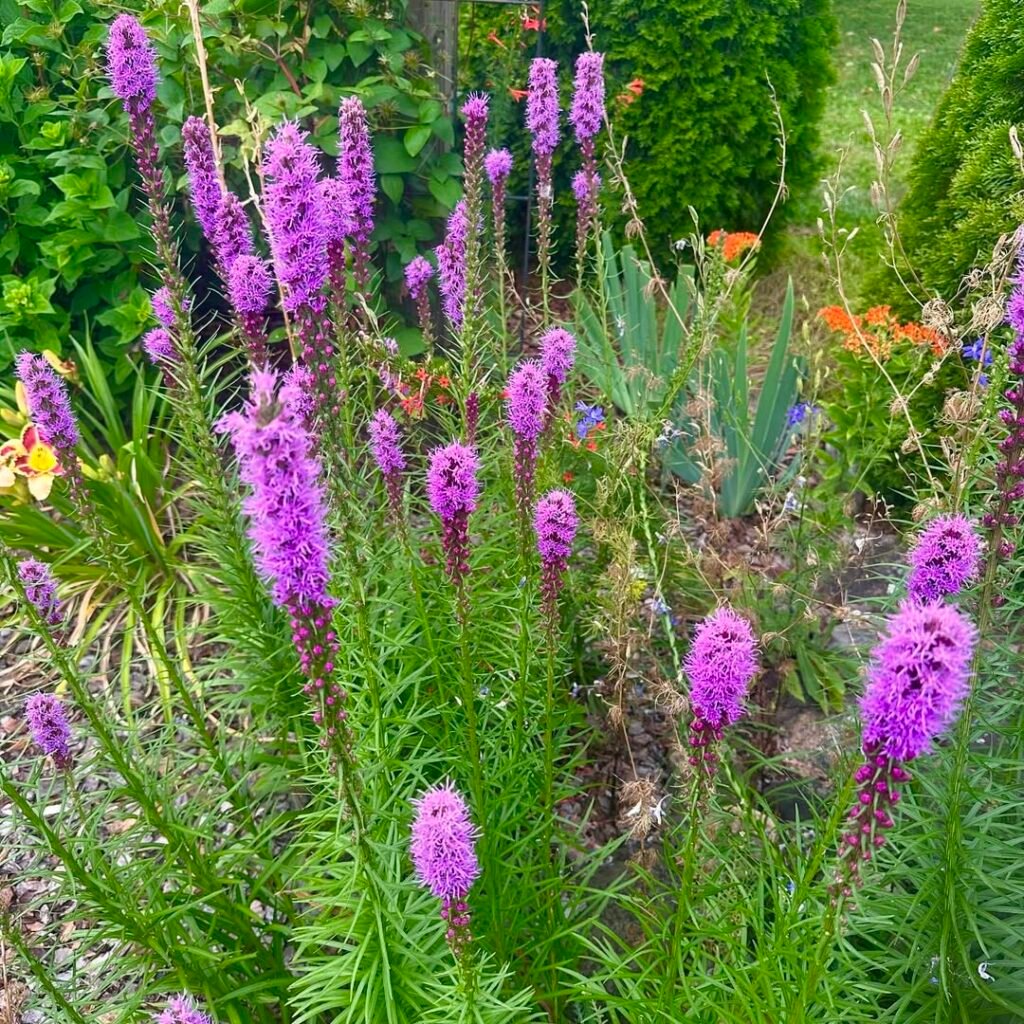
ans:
(965, 184)
(703, 132)
(66, 181)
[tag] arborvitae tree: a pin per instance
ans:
(965, 183)
(704, 133)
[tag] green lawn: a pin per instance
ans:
(933, 28)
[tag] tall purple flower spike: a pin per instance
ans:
(452, 489)
(526, 408)
(918, 679)
(356, 173)
(945, 558)
(720, 666)
(451, 266)
(50, 729)
(443, 849)
(555, 522)
(203, 181)
(386, 444)
(41, 590)
(49, 408)
(287, 510)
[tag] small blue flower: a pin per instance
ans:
(592, 416)
(975, 350)
(800, 412)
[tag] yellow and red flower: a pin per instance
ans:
(32, 458)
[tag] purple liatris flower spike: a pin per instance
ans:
(288, 513)
(444, 856)
(542, 112)
(335, 211)
(41, 590)
(944, 559)
(526, 409)
(131, 62)
(232, 235)
(203, 182)
(475, 111)
(585, 189)
(355, 170)
(720, 666)
(286, 504)
(158, 345)
(249, 286)
(587, 112)
(182, 1010)
(918, 678)
(472, 416)
(417, 273)
(452, 490)
(451, 265)
(162, 309)
(557, 356)
(385, 442)
(50, 729)
(49, 408)
(555, 523)
(498, 166)
(295, 216)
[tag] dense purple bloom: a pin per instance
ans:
(557, 356)
(444, 856)
(131, 62)
(527, 398)
(385, 441)
(721, 665)
(587, 112)
(475, 111)
(585, 188)
(158, 345)
(336, 207)
(386, 445)
(944, 559)
(555, 522)
(182, 1010)
(203, 182)
(250, 284)
(417, 273)
(452, 489)
(49, 407)
(918, 678)
(355, 170)
(286, 501)
(498, 166)
(298, 238)
(451, 265)
(162, 309)
(232, 235)
(452, 486)
(542, 110)
(41, 590)
(50, 729)
(526, 407)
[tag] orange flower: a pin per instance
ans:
(636, 86)
(917, 334)
(878, 316)
(493, 38)
(567, 477)
(517, 94)
(735, 243)
(837, 319)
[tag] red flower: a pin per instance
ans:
(567, 477)
(493, 38)
(534, 24)
(517, 94)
